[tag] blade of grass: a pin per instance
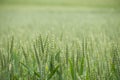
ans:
(52, 72)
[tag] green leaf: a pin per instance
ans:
(37, 74)
(52, 73)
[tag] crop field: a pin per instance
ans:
(59, 42)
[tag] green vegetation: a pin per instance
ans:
(98, 3)
(59, 42)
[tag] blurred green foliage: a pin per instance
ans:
(64, 2)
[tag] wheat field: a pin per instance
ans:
(44, 42)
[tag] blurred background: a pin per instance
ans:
(112, 3)
(26, 18)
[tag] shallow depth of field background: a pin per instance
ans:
(71, 23)
(71, 17)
